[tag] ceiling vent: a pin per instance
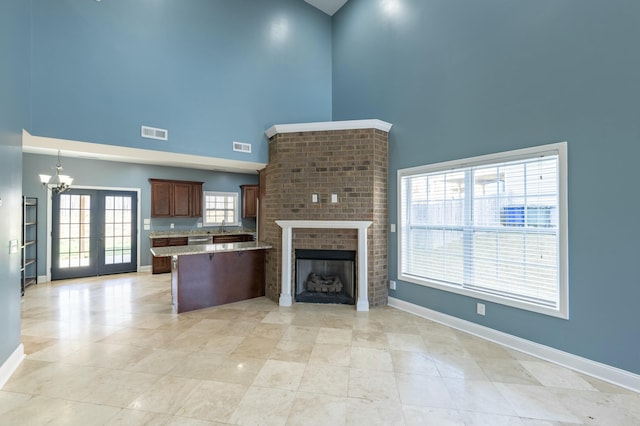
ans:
(242, 147)
(154, 133)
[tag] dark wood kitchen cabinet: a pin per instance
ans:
(232, 238)
(175, 198)
(162, 265)
(249, 200)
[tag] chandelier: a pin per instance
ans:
(58, 183)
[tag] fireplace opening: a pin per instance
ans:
(325, 276)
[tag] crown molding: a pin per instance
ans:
(324, 126)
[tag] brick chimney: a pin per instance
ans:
(345, 158)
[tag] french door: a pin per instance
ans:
(94, 232)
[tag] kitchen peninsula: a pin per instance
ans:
(186, 237)
(206, 275)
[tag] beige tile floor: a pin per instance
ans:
(110, 351)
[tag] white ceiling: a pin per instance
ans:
(327, 6)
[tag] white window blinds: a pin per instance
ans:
(490, 227)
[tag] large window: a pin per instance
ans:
(491, 227)
(220, 208)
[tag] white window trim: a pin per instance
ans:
(236, 213)
(562, 311)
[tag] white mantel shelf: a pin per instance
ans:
(323, 126)
(287, 248)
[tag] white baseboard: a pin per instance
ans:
(586, 366)
(44, 278)
(11, 364)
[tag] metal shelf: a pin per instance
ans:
(29, 268)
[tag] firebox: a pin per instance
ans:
(325, 276)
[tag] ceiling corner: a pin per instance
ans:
(327, 6)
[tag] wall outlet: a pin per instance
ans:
(314, 198)
(392, 284)
(334, 198)
(480, 309)
(171, 226)
(393, 227)
(199, 225)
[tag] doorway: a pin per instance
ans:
(94, 232)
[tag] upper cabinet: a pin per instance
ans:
(249, 200)
(175, 198)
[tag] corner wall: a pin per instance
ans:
(209, 71)
(461, 79)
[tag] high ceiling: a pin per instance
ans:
(50, 146)
(327, 6)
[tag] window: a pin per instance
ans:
(491, 227)
(219, 207)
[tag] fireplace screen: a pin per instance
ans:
(325, 276)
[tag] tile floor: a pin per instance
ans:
(110, 351)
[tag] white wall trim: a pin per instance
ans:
(98, 151)
(145, 268)
(595, 369)
(323, 126)
(11, 364)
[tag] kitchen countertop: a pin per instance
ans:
(208, 248)
(177, 233)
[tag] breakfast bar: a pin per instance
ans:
(206, 275)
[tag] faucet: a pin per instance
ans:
(222, 226)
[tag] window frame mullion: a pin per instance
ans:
(467, 233)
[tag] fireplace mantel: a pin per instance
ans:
(324, 126)
(287, 247)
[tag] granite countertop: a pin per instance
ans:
(176, 233)
(208, 248)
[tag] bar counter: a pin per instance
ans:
(206, 275)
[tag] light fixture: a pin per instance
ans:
(58, 183)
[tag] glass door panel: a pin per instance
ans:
(118, 229)
(94, 233)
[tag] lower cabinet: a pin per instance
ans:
(162, 265)
(238, 238)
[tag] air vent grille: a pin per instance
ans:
(154, 133)
(242, 147)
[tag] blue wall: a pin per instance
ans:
(209, 71)
(110, 174)
(462, 78)
(14, 116)
(456, 78)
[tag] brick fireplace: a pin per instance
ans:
(345, 158)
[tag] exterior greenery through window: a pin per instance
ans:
(219, 207)
(491, 227)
